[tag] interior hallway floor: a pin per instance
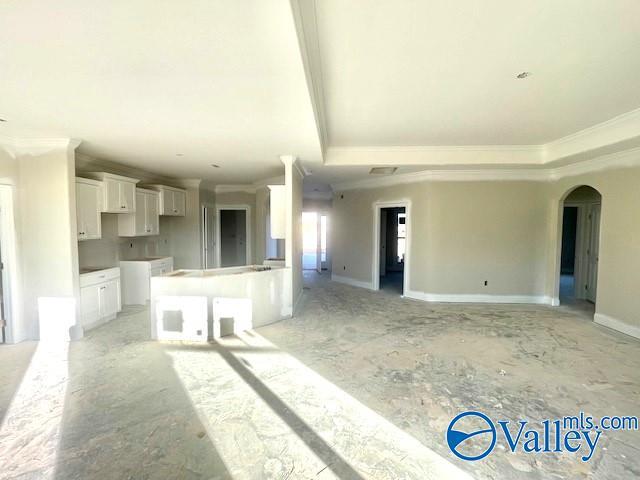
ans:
(359, 384)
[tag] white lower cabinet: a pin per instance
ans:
(136, 277)
(100, 299)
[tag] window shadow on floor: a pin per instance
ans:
(338, 465)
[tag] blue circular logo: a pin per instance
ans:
(471, 436)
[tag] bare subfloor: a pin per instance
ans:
(358, 385)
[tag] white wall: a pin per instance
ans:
(48, 248)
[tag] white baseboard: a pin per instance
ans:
(471, 298)
(351, 281)
(615, 324)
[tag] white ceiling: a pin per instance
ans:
(238, 83)
(442, 72)
(140, 81)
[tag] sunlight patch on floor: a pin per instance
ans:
(269, 415)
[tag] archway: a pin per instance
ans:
(577, 274)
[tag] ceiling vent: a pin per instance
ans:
(382, 170)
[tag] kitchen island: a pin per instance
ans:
(197, 305)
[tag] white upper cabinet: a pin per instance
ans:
(119, 192)
(145, 221)
(172, 200)
(278, 210)
(88, 208)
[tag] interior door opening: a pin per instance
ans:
(579, 257)
(233, 240)
(314, 241)
(392, 249)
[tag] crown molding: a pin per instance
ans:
(613, 131)
(269, 181)
(317, 195)
(309, 46)
(245, 188)
(628, 158)
(18, 147)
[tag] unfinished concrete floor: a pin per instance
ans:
(358, 385)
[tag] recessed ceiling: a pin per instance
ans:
(142, 81)
(444, 73)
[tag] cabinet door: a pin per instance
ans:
(90, 305)
(88, 211)
(112, 196)
(179, 203)
(108, 299)
(152, 214)
(127, 197)
(140, 220)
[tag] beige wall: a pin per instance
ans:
(618, 294)
(505, 232)
(463, 233)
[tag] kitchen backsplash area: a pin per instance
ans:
(110, 249)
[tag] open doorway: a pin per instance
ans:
(314, 241)
(391, 247)
(233, 246)
(8, 259)
(578, 282)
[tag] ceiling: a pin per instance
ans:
(140, 81)
(438, 72)
(173, 87)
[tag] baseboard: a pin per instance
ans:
(615, 324)
(351, 281)
(470, 298)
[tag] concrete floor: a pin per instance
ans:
(358, 385)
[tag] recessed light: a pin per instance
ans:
(215, 166)
(382, 170)
(523, 75)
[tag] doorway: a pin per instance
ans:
(314, 241)
(391, 252)
(8, 259)
(233, 236)
(579, 255)
(208, 237)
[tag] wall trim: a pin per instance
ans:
(477, 298)
(616, 324)
(351, 281)
(246, 188)
(628, 158)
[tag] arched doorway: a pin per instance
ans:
(578, 275)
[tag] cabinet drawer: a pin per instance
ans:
(99, 276)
